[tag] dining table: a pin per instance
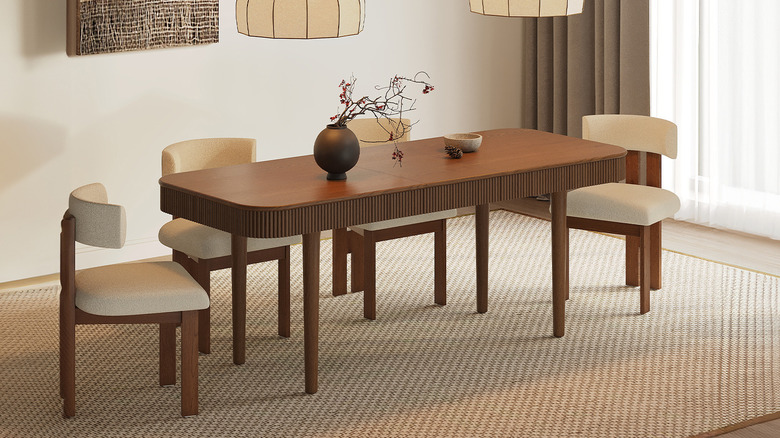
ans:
(291, 196)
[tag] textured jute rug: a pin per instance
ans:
(706, 356)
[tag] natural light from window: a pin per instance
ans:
(715, 72)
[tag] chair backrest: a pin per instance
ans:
(98, 223)
(372, 132)
(206, 153)
(635, 133)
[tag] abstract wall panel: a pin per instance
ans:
(105, 26)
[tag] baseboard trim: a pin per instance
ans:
(28, 283)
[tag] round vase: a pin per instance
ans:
(336, 150)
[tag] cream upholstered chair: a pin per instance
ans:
(134, 293)
(201, 249)
(360, 240)
(631, 209)
(372, 132)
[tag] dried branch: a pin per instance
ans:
(390, 105)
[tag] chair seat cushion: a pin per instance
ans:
(204, 242)
(624, 203)
(409, 220)
(138, 289)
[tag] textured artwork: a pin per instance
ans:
(105, 26)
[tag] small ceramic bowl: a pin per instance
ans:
(465, 142)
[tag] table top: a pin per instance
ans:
(292, 196)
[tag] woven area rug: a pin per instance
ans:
(706, 356)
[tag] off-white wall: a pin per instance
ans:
(65, 121)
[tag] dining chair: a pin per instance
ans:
(132, 293)
(202, 249)
(633, 209)
(360, 240)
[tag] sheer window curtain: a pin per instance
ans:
(715, 72)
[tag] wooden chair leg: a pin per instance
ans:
(655, 256)
(632, 261)
(203, 277)
(566, 255)
(340, 250)
(167, 354)
(644, 270)
(62, 346)
(356, 248)
(189, 363)
(68, 362)
(440, 264)
(369, 275)
(284, 294)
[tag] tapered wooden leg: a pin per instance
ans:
(238, 252)
(632, 261)
(369, 275)
(68, 362)
(482, 241)
(167, 354)
(440, 265)
(189, 363)
(655, 256)
(311, 308)
(284, 294)
(203, 277)
(356, 248)
(560, 266)
(566, 272)
(644, 270)
(340, 250)
(62, 346)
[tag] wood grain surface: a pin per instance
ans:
(291, 196)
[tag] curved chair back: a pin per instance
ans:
(372, 132)
(206, 153)
(635, 133)
(98, 223)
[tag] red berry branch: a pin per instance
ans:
(391, 105)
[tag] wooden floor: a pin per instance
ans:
(770, 429)
(732, 248)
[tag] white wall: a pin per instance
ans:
(71, 121)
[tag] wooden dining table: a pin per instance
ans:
(292, 196)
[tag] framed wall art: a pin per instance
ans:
(106, 26)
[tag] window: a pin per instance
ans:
(715, 72)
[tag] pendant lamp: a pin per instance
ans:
(300, 19)
(527, 8)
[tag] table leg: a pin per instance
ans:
(482, 238)
(566, 271)
(238, 252)
(560, 262)
(311, 309)
(369, 275)
(340, 250)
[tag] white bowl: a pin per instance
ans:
(466, 142)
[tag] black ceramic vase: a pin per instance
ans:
(336, 150)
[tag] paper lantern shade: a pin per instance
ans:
(300, 19)
(527, 8)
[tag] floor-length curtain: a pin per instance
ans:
(715, 70)
(596, 62)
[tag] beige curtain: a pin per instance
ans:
(597, 62)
